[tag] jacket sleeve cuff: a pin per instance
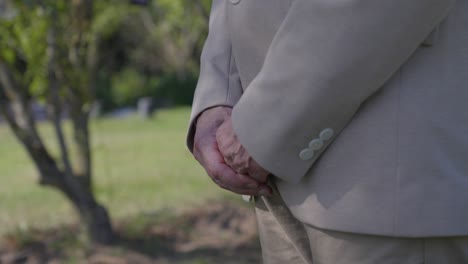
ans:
(289, 160)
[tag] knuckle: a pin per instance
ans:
(225, 187)
(217, 182)
(232, 157)
(240, 169)
(216, 175)
(243, 171)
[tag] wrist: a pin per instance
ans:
(213, 116)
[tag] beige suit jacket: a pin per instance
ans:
(359, 108)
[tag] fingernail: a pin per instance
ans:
(252, 185)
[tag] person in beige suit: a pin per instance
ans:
(346, 120)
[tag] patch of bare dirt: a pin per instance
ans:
(218, 232)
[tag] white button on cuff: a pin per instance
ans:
(316, 144)
(327, 134)
(235, 2)
(306, 154)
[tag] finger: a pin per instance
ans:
(217, 169)
(238, 167)
(238, 164)
(265, 190)
(229, 178)
(262, 190)
(209, 156)
(226, 143)
(240, 191)
(236, 157)
(258, 174)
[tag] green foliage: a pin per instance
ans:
(177, 89)
(128, 86)
(110, 19)
(23, 46)
(150, 51)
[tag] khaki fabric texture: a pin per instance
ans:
(282, 237)
(277, 247)
(285, 240)
(331, 247)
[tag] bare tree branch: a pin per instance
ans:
(92, 60)
(56, 102)
(17, 112)
(9, 85)
(48, 171)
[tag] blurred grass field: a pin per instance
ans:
(139, 167)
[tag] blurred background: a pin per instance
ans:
(94, 105)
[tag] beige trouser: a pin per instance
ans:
(285, 240)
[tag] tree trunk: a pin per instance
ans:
(83, 149)
(76, 185)
(15, 99)
(93, 215)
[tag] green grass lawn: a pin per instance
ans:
(139, 167)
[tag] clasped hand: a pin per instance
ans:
(225, 160)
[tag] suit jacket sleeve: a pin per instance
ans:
(219, 82)
(326, 59)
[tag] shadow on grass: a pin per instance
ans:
(220, 232)
(248, 253)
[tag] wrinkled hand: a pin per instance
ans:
(235, 155)
(206, 151)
